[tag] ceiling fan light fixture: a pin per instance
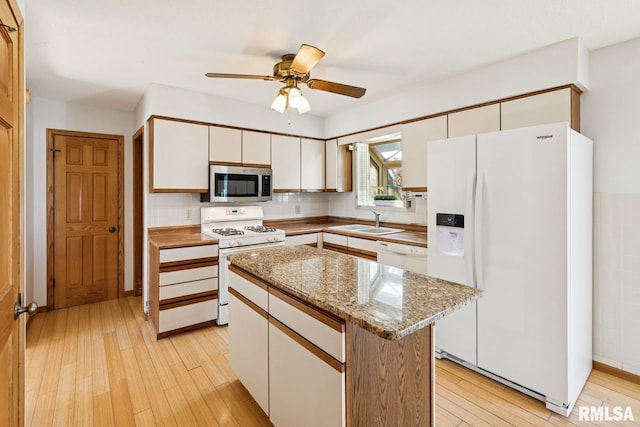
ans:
(280, 103)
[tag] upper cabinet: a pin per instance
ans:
(415, 136)
(256, 149)
(285, 164)
(225, 146)
(338, 167)
(474, 121)
(178, 153)
(312, 165)
(236, 147)
(561, 105)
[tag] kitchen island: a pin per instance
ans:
(322, 338)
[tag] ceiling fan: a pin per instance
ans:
(293, 70)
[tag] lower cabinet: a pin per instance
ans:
(183, 288)
(304, 390)
(290, 357)
(249, 346)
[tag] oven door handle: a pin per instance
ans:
(231, 251)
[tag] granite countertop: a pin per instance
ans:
(389, 302)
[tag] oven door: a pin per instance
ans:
(223, 277)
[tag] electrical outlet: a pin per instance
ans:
(297, 209)
(187, 214)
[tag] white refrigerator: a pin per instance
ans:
(510, 212)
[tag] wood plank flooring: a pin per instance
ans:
(100, 364)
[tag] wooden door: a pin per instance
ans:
(11, 178)
(85, 186)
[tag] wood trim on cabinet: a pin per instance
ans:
(256, 165)
(225, 164)
(286, 190)
(177, 229)
(312, 190)
(312, 348)
(575, 108)
(335, 248)
(618, 373)
(180, 190)
(415, 189)
(390, 380)
(166, 334)
(372, 256)
(325, 318)
(154, 285)
(253, 306)
(250, 277)
(188, 300)
(166, 267)
(168, 303)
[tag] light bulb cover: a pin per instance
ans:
(304, 105)
(295, 97)
(280, 103)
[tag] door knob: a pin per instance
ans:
(18, 309)
(112, 229)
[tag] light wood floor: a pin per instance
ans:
(100, 364)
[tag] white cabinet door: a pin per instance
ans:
(312, 165)
(331, 165)
(304, 390)
(285, 163)
(474, 121)
(548, 107)
(415, 136)
(225, 145)
(338, 167)
(256, 149)
(249, 349)
(178, 154)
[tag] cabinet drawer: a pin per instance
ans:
(187, 315)
(362, 244)
(302, 239)
(254, 292)
(188, 275)
(188, 288)
(188, 253)
(316, 327)
(336, 239)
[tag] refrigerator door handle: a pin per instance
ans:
(470, 258)
(478, 231)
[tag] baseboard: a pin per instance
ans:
(616, 372)
(130, 293)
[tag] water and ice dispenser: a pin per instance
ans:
(450, 234)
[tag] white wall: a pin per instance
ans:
(46, 114)
(555, 65)
(610, 116)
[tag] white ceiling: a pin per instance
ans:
(106, 53)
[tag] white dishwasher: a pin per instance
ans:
(407, 257)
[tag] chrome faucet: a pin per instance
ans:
(377, 214)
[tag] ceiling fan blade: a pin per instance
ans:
(306, 58)
(339, 88)
(241, 76)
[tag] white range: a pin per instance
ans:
(237, 229)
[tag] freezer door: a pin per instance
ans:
(521, 220)
(451, 178)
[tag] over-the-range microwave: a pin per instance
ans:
(238, 184)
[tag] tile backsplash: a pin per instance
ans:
(175, 209)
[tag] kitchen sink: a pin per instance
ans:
(350, 227)
(379, 230)
(367, 229)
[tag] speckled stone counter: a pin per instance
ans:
(389, 302)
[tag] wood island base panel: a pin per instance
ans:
(358, 334)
